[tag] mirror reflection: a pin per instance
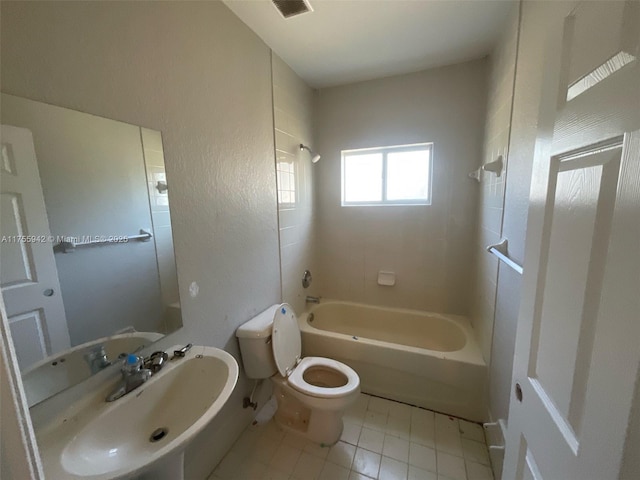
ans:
(86, 252)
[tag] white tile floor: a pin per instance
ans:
(382, 440)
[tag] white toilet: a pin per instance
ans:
(312, 392)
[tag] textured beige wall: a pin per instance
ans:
(197, 74)
(428, 247)
(292, 112)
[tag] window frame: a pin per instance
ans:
(428, 146)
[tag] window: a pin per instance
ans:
(398, 175)
(286, 182)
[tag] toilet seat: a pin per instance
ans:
(287, 351)
(297, 381)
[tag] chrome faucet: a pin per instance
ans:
(182, 352)
(97, 359)
(311, 299)
(137, 370)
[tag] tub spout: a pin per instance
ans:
(311, 299)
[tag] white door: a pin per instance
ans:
(578, 339)
(28, 272)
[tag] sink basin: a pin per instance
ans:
(68, 368)
(125, 438)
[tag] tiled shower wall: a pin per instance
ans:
(427, 246)
(292, 102)
(497, 337)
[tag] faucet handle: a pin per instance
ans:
(183, 351)
(155, 361)
(132, 364)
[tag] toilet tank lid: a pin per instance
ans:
(259, 326)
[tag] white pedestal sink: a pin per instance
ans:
(144, 433)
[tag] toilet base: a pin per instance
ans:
(323, 427)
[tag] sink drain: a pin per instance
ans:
(158, 434)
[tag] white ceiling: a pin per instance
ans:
(345, 41)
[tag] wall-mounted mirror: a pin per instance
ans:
(86, 249)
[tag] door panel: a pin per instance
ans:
(578, 232)
(27, 330)
(605, 17)
(17, 263)
(527, 466)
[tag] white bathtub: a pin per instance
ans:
(426, 359)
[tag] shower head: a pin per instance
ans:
(314, 156)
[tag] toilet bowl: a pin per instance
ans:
(313, 392)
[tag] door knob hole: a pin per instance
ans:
(518, 392)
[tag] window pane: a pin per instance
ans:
(363, 178)
(286, 181)
(408, 175)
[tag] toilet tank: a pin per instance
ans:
(254, 337)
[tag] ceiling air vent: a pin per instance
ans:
(291, 8)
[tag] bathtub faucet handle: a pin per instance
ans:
(306, 279)
(311, 299)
